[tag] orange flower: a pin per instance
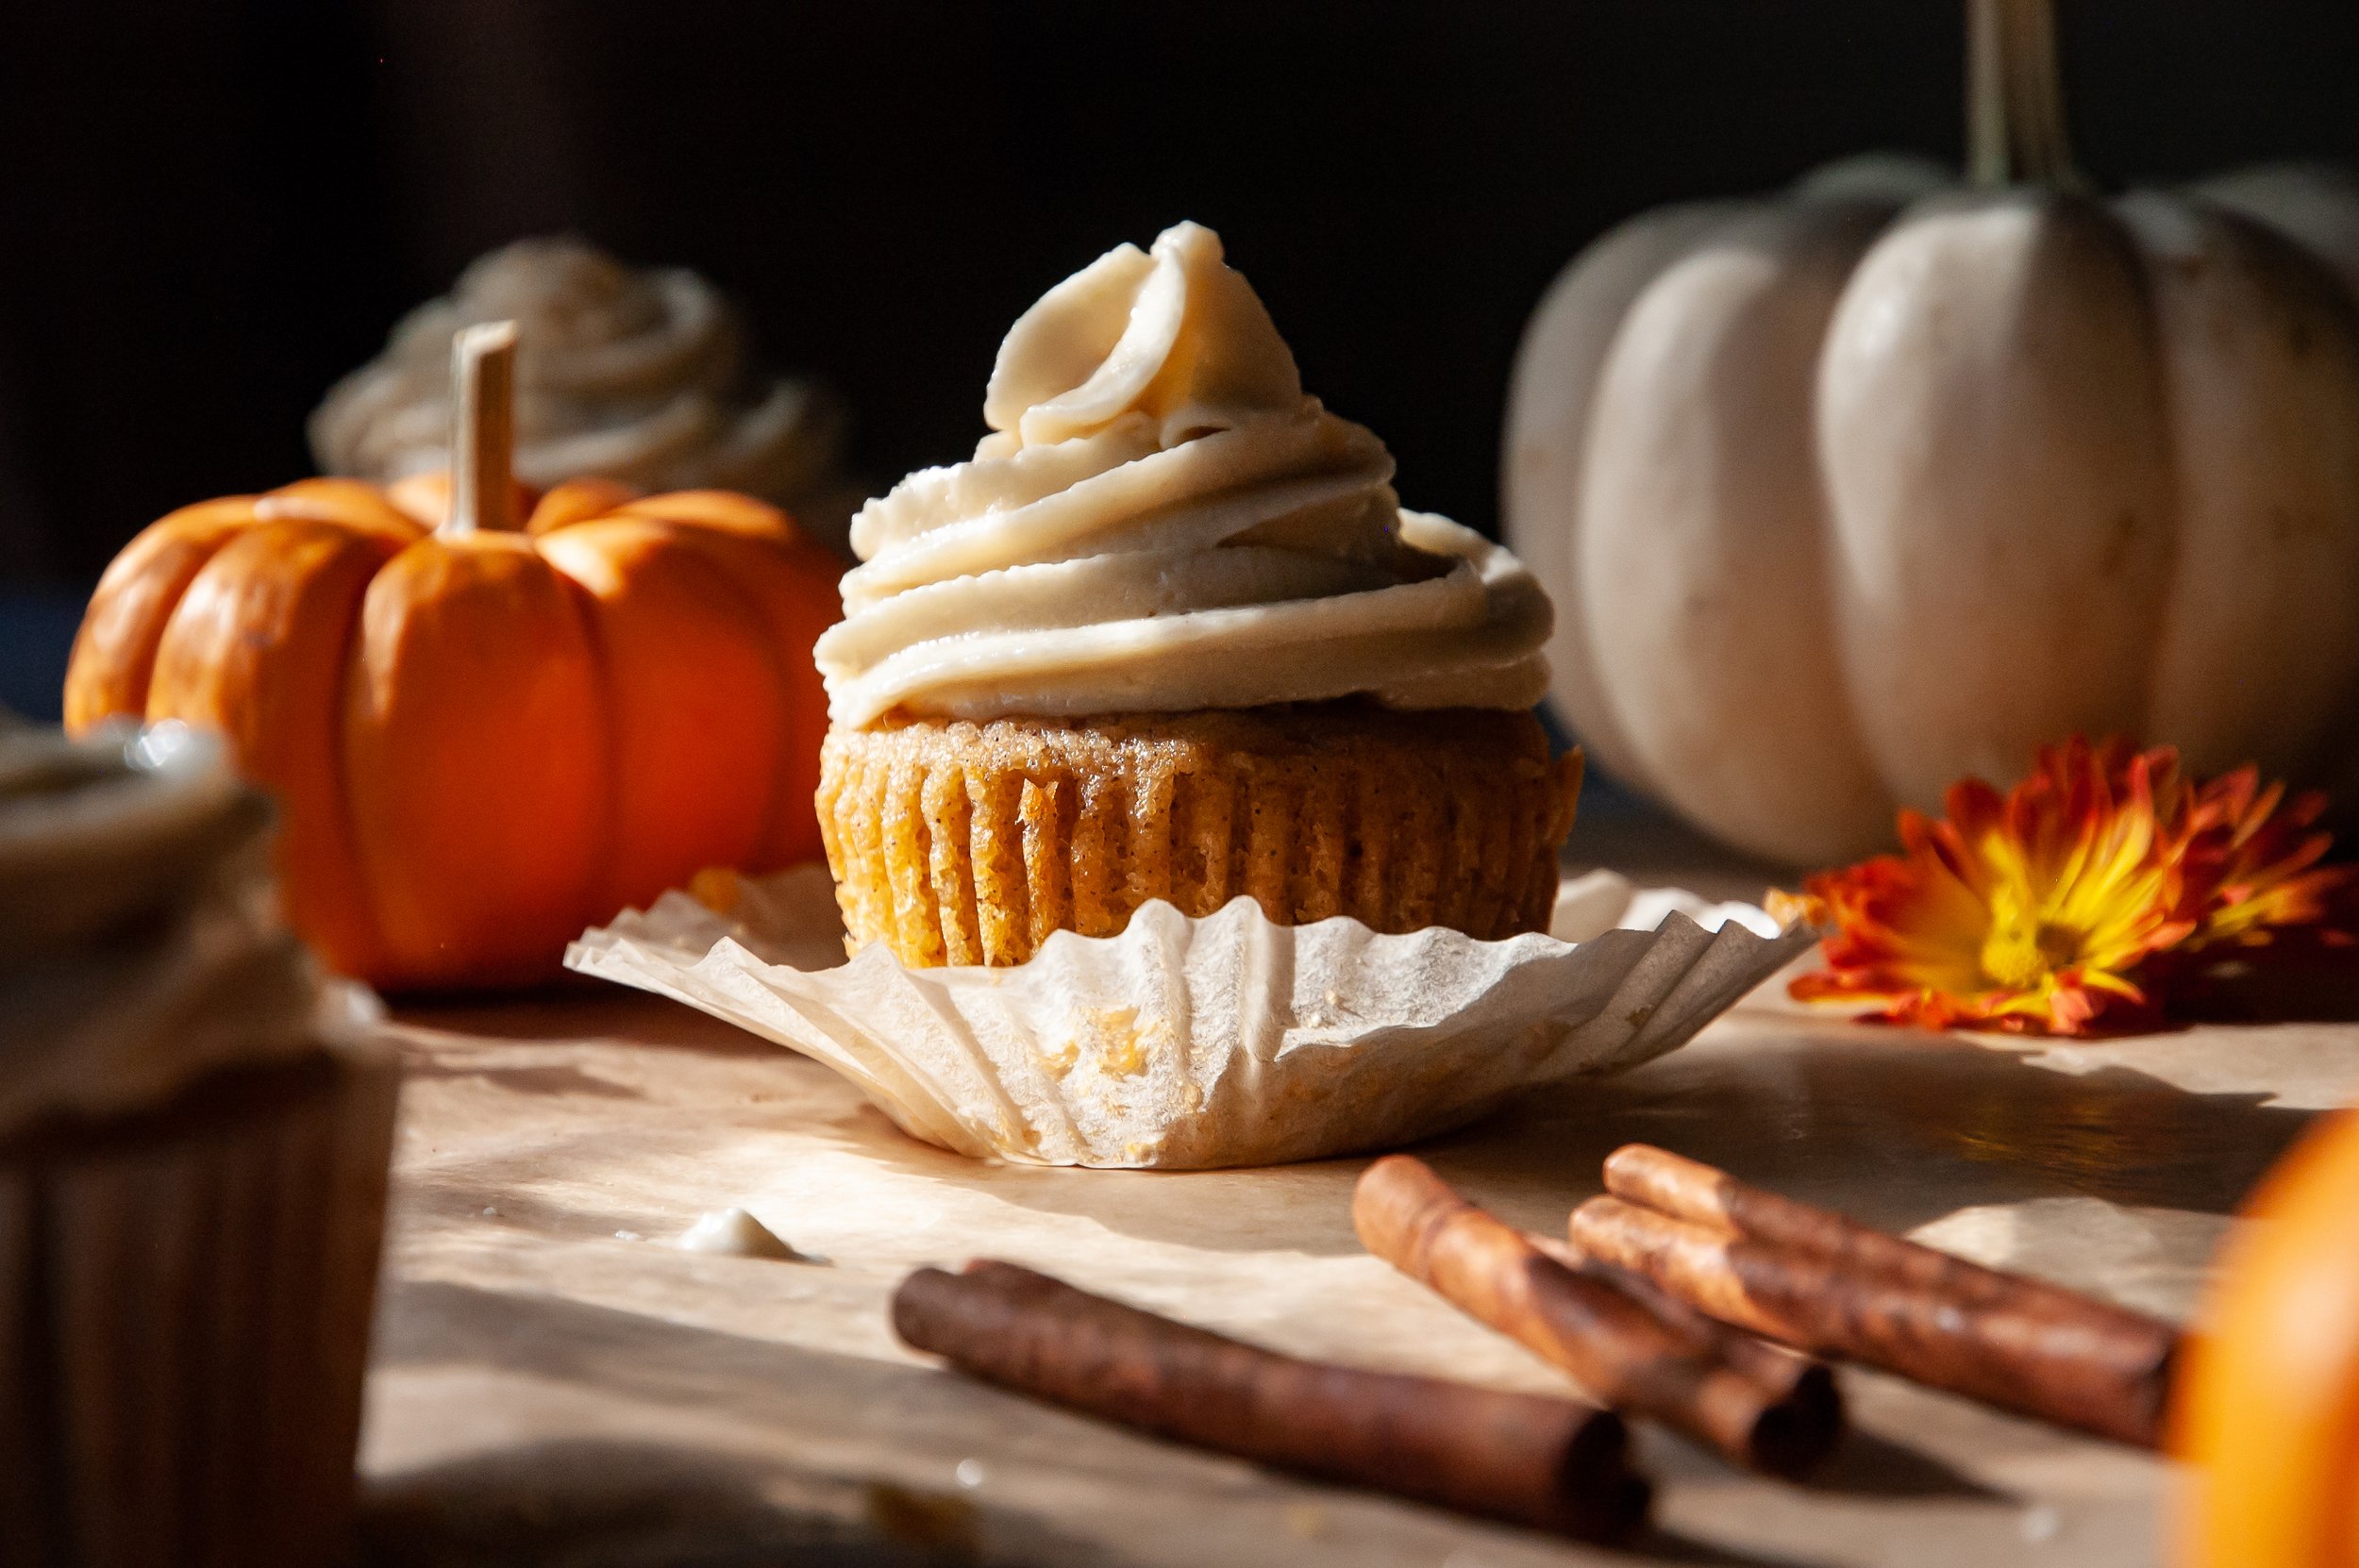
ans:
(2046, 909)
(2253, 863)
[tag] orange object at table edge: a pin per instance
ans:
(2267, 1398)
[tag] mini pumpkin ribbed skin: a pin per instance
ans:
(957, 843)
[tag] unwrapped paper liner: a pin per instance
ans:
(1188, 1044)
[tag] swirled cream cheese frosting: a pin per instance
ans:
(1161, 520)
(621, 373)
(140, 946)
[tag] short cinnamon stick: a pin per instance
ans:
(2046, 1352)
(1778, 1416)
(1553, 1463)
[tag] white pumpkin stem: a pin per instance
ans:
(2015, 98)
(482, 427)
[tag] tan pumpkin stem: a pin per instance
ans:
(2015, 98)
(482, 427)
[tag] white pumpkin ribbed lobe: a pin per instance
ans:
(1848, 494)
(1161, 520)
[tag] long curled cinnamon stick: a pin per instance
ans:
(1704, 1195)
(1780, 1372)
(1548, 1463)
(1769, 1411)
(1829, 1285)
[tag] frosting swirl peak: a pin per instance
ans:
(1161, 519)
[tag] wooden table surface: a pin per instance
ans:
(553, 1384)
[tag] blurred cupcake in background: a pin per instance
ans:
(193, 1143)
(637, 374)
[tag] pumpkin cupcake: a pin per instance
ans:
(192, 1173)
(1170, 634)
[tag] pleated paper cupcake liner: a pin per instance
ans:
(185, 1297)
(1190, 1043)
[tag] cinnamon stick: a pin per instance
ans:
(1553, 1463)
(2041, 1351)
(1782, 1372)
(1769, 1413)
(1704, 1195)
(1691, 1190)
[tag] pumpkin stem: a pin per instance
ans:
(2015, 122)
(482, 427)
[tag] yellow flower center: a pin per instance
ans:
(2019, 954)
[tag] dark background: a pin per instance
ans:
(212, 209)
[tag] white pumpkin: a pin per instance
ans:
(1850, 491)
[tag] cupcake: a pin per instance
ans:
(193, 1169)
(632, 375)
(1171, 635)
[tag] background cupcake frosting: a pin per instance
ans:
(1162, 520)
(140, 941)
(636, 374)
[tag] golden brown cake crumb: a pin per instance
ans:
(958, 842)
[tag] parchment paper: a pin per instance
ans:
(1192, 1043)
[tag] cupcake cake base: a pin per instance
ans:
(956, 842)
(185, 1297)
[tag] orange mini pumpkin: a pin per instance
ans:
(482, 738)
(2265, 1407)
